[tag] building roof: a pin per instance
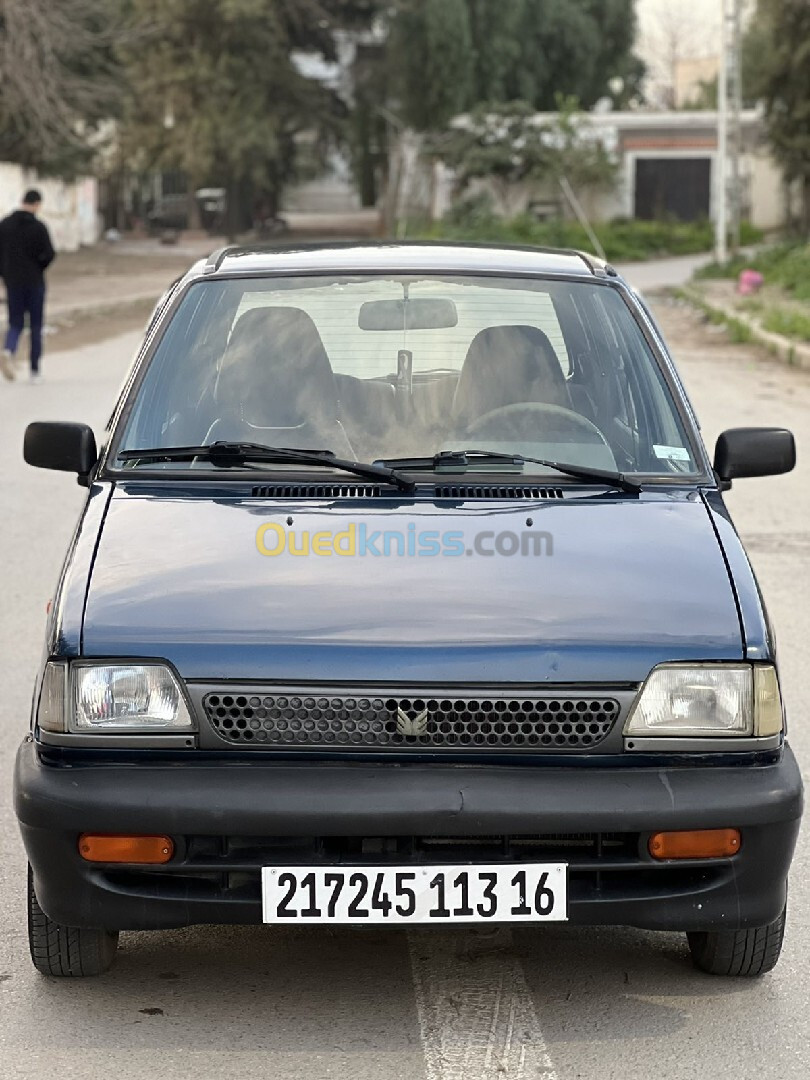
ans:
(635, 119)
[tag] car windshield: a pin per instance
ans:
(376, 368)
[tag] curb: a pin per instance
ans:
(792, 353)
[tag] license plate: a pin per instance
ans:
(519, 892)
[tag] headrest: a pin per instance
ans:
(275, 371)
(508, 365)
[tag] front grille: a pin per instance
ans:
(399, 723)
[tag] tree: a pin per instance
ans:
(497, 48)
(431, 51)
(58, 79)
(447, 56)
(215, 91)
(576, 48)
(778, 72)
(518, 153)
(430, 60)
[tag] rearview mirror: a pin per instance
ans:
(62, 446)
(754, 452)
(421, 314)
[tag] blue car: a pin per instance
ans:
(405, 592)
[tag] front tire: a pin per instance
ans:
(738, 952)
(66, 951)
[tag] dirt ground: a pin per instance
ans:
(88, 327)
(99, 292)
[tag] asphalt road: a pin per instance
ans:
(662, 273)
(557, 1004)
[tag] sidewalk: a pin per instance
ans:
(657, 274)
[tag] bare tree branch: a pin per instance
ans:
(56, 73)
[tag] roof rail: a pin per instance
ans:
(215, 258)
(594, 265)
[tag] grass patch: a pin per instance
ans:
(623, 239)
(739, 333)
(784, 306)
(715, 271)
(785, 265)
(792, 324)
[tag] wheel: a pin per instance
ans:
(738, 952)
(66, 950)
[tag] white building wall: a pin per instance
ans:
(69, 208)
(766, 192)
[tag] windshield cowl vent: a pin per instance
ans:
(382, 491)
(323, 491)
(496, 491)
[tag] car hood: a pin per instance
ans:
(623, 583)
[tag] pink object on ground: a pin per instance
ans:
(749, 282)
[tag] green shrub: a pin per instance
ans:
(730, 269)
(785, 265)
(749, 234)
(623, 239)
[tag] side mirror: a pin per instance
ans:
(62, 446)
(754, 452)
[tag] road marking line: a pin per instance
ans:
(476, 1015)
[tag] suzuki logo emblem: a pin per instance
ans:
(412, 726)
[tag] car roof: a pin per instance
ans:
(401, 257)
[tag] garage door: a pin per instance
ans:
(673, 187)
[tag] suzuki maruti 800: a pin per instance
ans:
(405, 592)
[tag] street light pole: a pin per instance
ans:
(735, 72)
(721, 182)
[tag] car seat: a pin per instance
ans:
(276, 386)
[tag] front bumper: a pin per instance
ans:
(228, 819)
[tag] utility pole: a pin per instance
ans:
(721, 179)
(736, 130)
(729, 131)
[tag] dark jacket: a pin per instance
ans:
(25, 249)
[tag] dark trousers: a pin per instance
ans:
(25, 300)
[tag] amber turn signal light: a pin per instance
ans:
(695, 844)
(126, 849)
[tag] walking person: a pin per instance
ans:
(25, 253)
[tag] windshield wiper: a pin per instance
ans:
(229, 455)
(462, 460)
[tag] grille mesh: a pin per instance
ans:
(396, 723)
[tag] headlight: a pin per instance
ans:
(707, 701)
(128, 698)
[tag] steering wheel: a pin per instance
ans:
(527, 420)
